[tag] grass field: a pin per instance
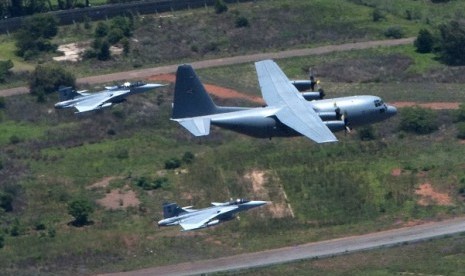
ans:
(49, 157)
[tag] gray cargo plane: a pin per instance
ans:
(287, 112)
(192, 219)
(85, 102)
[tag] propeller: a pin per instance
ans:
(345, 118)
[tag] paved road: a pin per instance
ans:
(310, 250)
(145, 73)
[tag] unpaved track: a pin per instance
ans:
(145, 73)
(321, 249)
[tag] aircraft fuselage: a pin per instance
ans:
(336, 113)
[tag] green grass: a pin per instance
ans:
(334, 190)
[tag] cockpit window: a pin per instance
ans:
(239, 201)
(378, 103)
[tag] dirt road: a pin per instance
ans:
(321, 249)
(145, 73)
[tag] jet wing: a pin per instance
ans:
(98, 101)
(296, 112)
(201, 220)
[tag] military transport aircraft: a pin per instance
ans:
(287, 112)
(85, 102)
(191, 219)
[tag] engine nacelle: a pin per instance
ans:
(302, 85)
(213, 222)
(335, 125)
(329, 116)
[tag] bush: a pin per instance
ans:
(418, 120)
(394, 32)
(35, 33)
(2, 102)
(80, 209)
(14, 139)
(172, 164)
(424, 41)
(367, 133)
(460, 113)
(452, 43)
(242, 22)
(5, 66)
(188, 157)
(47, 78)
(2, 241)
(220, 7)
(378, 15)
(104, 51)
(461, 130)
(101, 30)
(6, 201)
(147, 184)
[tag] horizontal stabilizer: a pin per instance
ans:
(199, 126)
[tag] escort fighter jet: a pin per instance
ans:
(192, 219)
(85, 102)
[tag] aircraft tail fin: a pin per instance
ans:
(67, 93)
(190, 97)
(171, 210)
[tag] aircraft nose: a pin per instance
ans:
(257, 203)
(391, 110)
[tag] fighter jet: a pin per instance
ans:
(287, 112)
(85, 102)
(192, 219)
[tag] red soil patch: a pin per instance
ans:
(119, 199)
(429, 195)
(396, 172)
(437, 105)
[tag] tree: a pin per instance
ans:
(460, 113)
(394, 32)
(5, 66)
(80, 209)
(35, 34)
(48, 77)
(172, 164)
(418, 120)
(242, 22)
(6, 201)
(104, 51)
(220, 7)
(461, 130)
(101, 30)
(452, 42)
(424, 42)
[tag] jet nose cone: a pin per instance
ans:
(391, 110)
(257, 203)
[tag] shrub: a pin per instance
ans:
(104, 51)
(80, 209)
(460, 113)
(2, 241)
(366, 133)
(242, 22)
(6, 201)
(378, 15)
(2, 102)
(5, 66)
(461, 130)
(452, 43)
(188, 157)
(220, 7)
(424, 41)
(172, 164)
(147, 184)
(394, 32)
(101, 30)
(14, 139)
(48, 77)
(418, 120)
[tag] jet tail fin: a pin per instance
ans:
(190, 97)
(67, 93)
(171, 210)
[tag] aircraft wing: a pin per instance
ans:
(296, 112)
(98, 101)
(201, 220)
